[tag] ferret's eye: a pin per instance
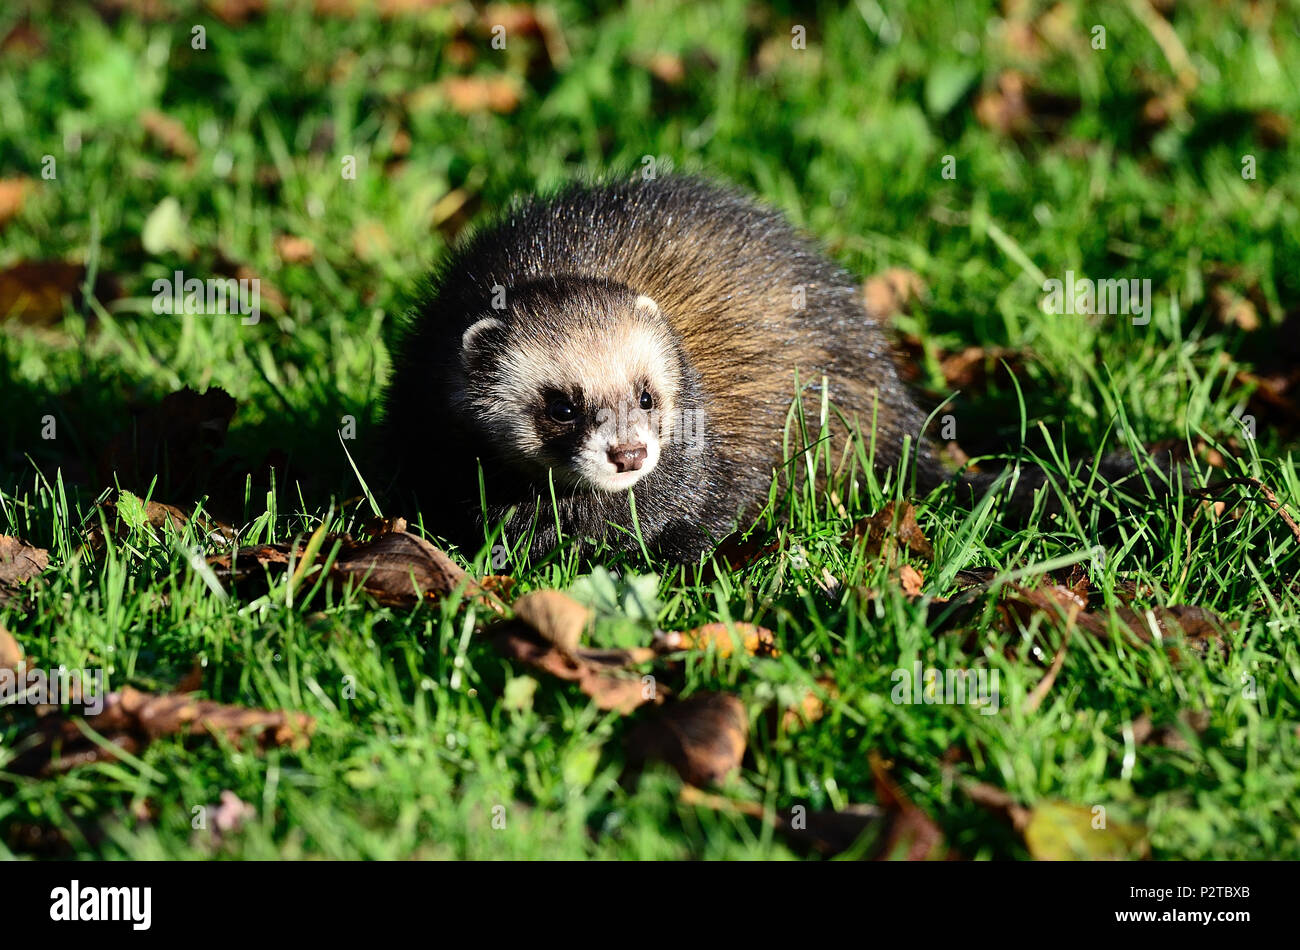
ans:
(561, 410)
(647, 401)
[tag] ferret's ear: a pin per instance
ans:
(472, 342)
(645, 306)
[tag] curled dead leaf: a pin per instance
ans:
(397, 569)
(755, 640)
(607, 676)
(703, 738)
(883, 532)
(131, 719)
(19, 563)
(557, 617)
(911, 834)
(35, 292)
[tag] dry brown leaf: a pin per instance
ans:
(19, 562)
(557, 617)
(667, 67)
(884, 531)
(1004, 109)
(998, 800)
(370, 241)
(826, 832)
(237, 12)
(170, 134)
(294, 250)
(703, 738)
(755, 640)
(911, 835)
(811, 705)
(158, 515)
(1200, 628)
(179, 435)
(34, 292)
(473, 94)
(1233, 310)
(13, 194)
(398, 569)
(604, 675)
(892, 291)
(1013, 108)
(910, 579)
(1171, 735)
(132, 719)
(11, 652)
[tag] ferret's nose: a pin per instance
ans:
(628, 458)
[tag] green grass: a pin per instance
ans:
(848, 137)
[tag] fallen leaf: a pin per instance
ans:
(892, 291)
(35, 292)
(1233, 310)
(826, 832)
(1197, 626)
(169, 133)
(884, 531)
(811, 706)
(911, 580)
(131, 719)
(970, 367)
(703, 738)
(667, 67)
(1059, 831)
(237, 12)
(910, 834)
(400, 568)
(370, 241)
(1014, 108)
(604, 675)
(177, 438)
(998, 800)
(13, 194)
(294, 250)
(557, 617)
(11, 653)
(755, 640)
(473, 94)
(19, 562)
(128, 512)
(23, 40)
(397, 569)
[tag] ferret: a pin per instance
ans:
(617, 362)
(627, 347)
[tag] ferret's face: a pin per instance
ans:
(583, 382)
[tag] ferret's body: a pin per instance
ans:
(671, 294)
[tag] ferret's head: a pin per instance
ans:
(583, 377)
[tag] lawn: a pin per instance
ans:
(334, 150)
